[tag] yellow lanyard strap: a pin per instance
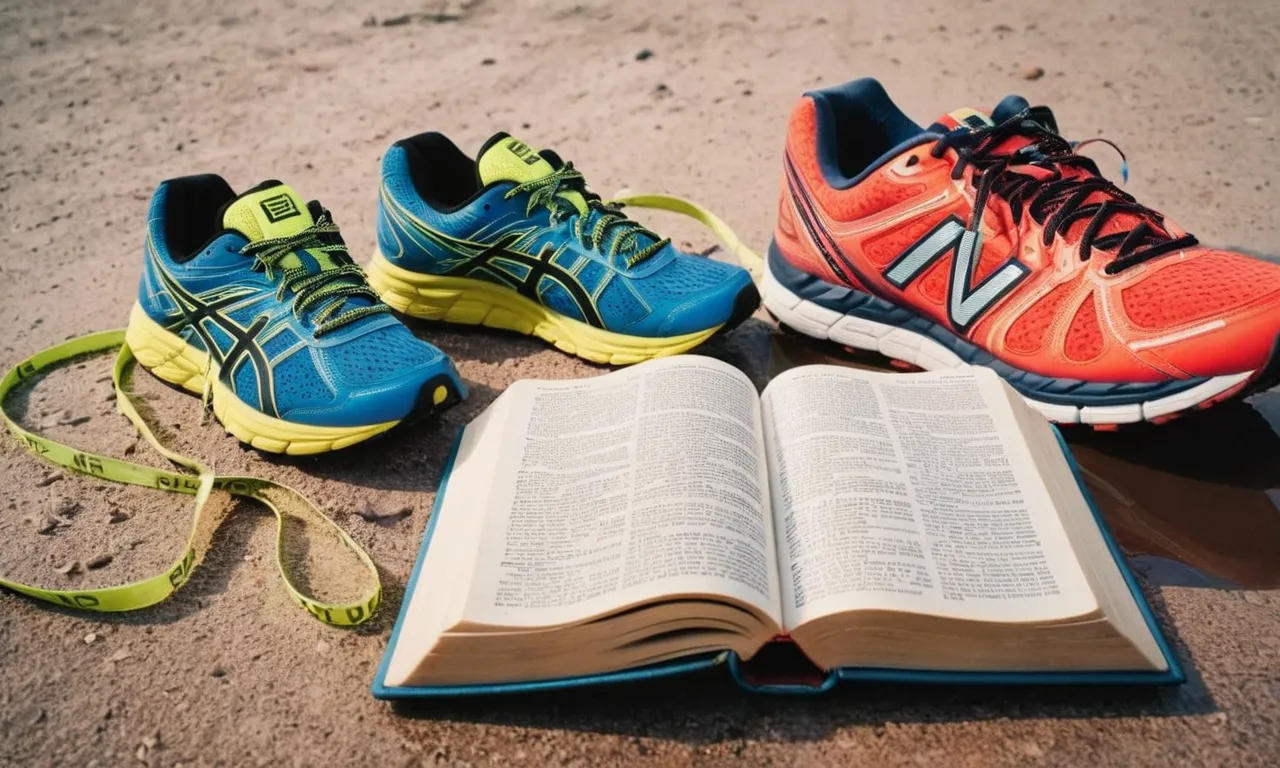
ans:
(745, 256)
(149, 591)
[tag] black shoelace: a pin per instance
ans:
(1054, 201)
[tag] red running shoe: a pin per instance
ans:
(986, 239)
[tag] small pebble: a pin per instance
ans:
(69, 568)
(322, 647)
(29, 716)
(219, 672)
(643, 54)
(121, 655)
(488, 62)
(1032, 73)
(90, 638)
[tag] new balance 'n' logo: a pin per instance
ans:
(279, 207)
(965, 301)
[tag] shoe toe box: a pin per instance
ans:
(384, 376)
(691, 295)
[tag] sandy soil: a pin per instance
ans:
(100, 101)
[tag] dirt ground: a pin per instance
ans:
(99, 101)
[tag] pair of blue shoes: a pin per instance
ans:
(253, 301)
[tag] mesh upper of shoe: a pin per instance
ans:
(682, 277)
(279, 343)
(618, 305)
(1030, 331)
(1084, 337)
(1207, 284)
(883, 247)
(374, 357)
(297, 385)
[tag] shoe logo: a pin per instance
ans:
(203, 314)
(280, 207)
(965, 301)
(483, 261)
(523, 151)
(539, 266)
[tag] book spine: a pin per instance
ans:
(781, 668)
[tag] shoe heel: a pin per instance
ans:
(164, 353)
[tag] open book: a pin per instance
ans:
(923, 521)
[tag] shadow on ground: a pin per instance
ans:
(708, 708)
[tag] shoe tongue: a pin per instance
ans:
(965, 117)
(971, 120)
(505, 158)
(267, 211)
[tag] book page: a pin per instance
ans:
(912, 493)
(437, 598)
(627, 487)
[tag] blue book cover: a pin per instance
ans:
(822, 682)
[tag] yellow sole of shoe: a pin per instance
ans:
(171, 359)
(466, 301)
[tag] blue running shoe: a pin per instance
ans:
(515, 240)
(253, 302)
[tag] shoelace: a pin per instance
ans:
(1031, 178)
(607, 218)
(330, 287)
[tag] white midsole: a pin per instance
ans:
(901, 344)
